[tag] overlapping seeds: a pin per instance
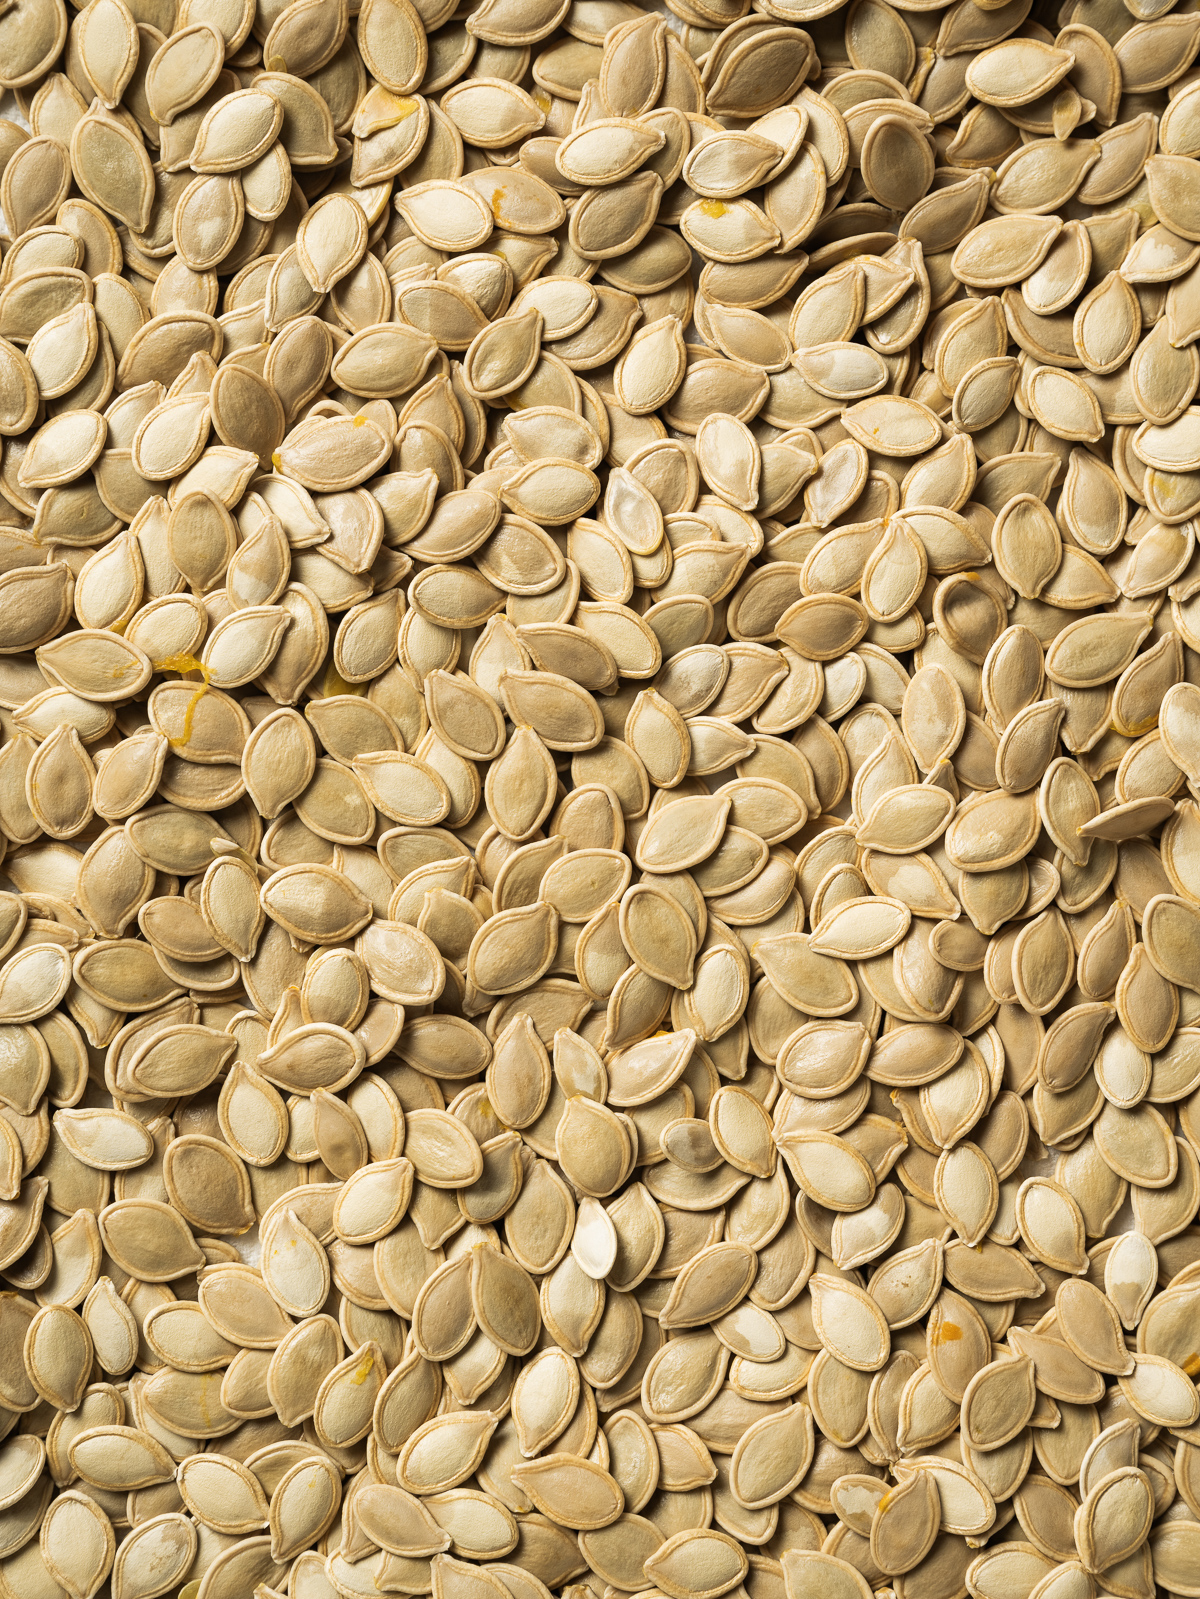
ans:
(599, 799)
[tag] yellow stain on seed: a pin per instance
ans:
(713, 208)
(363, 1370)
(275, 461)
(1192, 1364)
(182, 663)
(948, 1333)
(186, 663)
(334, 683)
(359, 422)
(497, 200)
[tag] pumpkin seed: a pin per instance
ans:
(868, 670)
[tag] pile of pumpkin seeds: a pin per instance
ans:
(600, 792)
